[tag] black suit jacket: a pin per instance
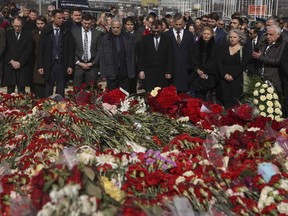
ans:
(18, 50)
(94, 47)
(156, 64)
(45, 55)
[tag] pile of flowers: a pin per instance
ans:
(109, 153)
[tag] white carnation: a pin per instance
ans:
(283, 208)
(277, 149)
(180, 179)
(275, 96)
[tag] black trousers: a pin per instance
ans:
(57, 76)
(122, 82)
(84, 76)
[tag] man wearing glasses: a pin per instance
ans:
(156, 58)
(204, 20)
(50, 9)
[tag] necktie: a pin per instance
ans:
(85, 47)
(253, 44)
(17, 35)
(178, 39)
(156, 43)
(57, 36)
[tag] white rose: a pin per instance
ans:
(269, 104)
(255, 101)
(283, 208)
(269, 96)
(270, 90)
(261, 107)
(265, 85)
(277, 104)
(255, 93)
(263, 114)
(277, 111)
(262, 98)
(257, 84)
(278, 118)
(275, 96)
(262, 91)
(270, 110)
(270, 116)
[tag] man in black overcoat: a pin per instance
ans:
(183, 45)
(19, 47)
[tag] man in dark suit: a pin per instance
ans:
(2, 51)
(117, 57)
(55, 54)
(87, 52)
(183, 45)
(219, 34)
(19, 46)
(156, 58)
(129, 24)
(253, 64)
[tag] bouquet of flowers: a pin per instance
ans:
(267, 101)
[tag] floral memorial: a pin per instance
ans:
(107, 153)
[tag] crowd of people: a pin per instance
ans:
(207, 57)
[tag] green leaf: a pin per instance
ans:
(93, 190)
(89, 173)
(48, 184)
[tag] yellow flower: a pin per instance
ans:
(111, 189)
(154, 92)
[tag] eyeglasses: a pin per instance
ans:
(205, 20)
(156, 32)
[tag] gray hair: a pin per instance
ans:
(241, 35)
(276, 28)
(116, 20)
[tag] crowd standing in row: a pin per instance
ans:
(204, 57)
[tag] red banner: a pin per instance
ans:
(257, 10)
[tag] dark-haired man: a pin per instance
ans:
(87, 48)
(183, 45)
(75, 19)
(219, 34)
(55, 56)
(156, 58)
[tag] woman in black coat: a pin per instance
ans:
(204, 64)
(232, 62)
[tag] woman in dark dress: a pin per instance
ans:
(38, 79)
(205, 58)
(232, 62)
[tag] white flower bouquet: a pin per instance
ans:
(266, 99)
